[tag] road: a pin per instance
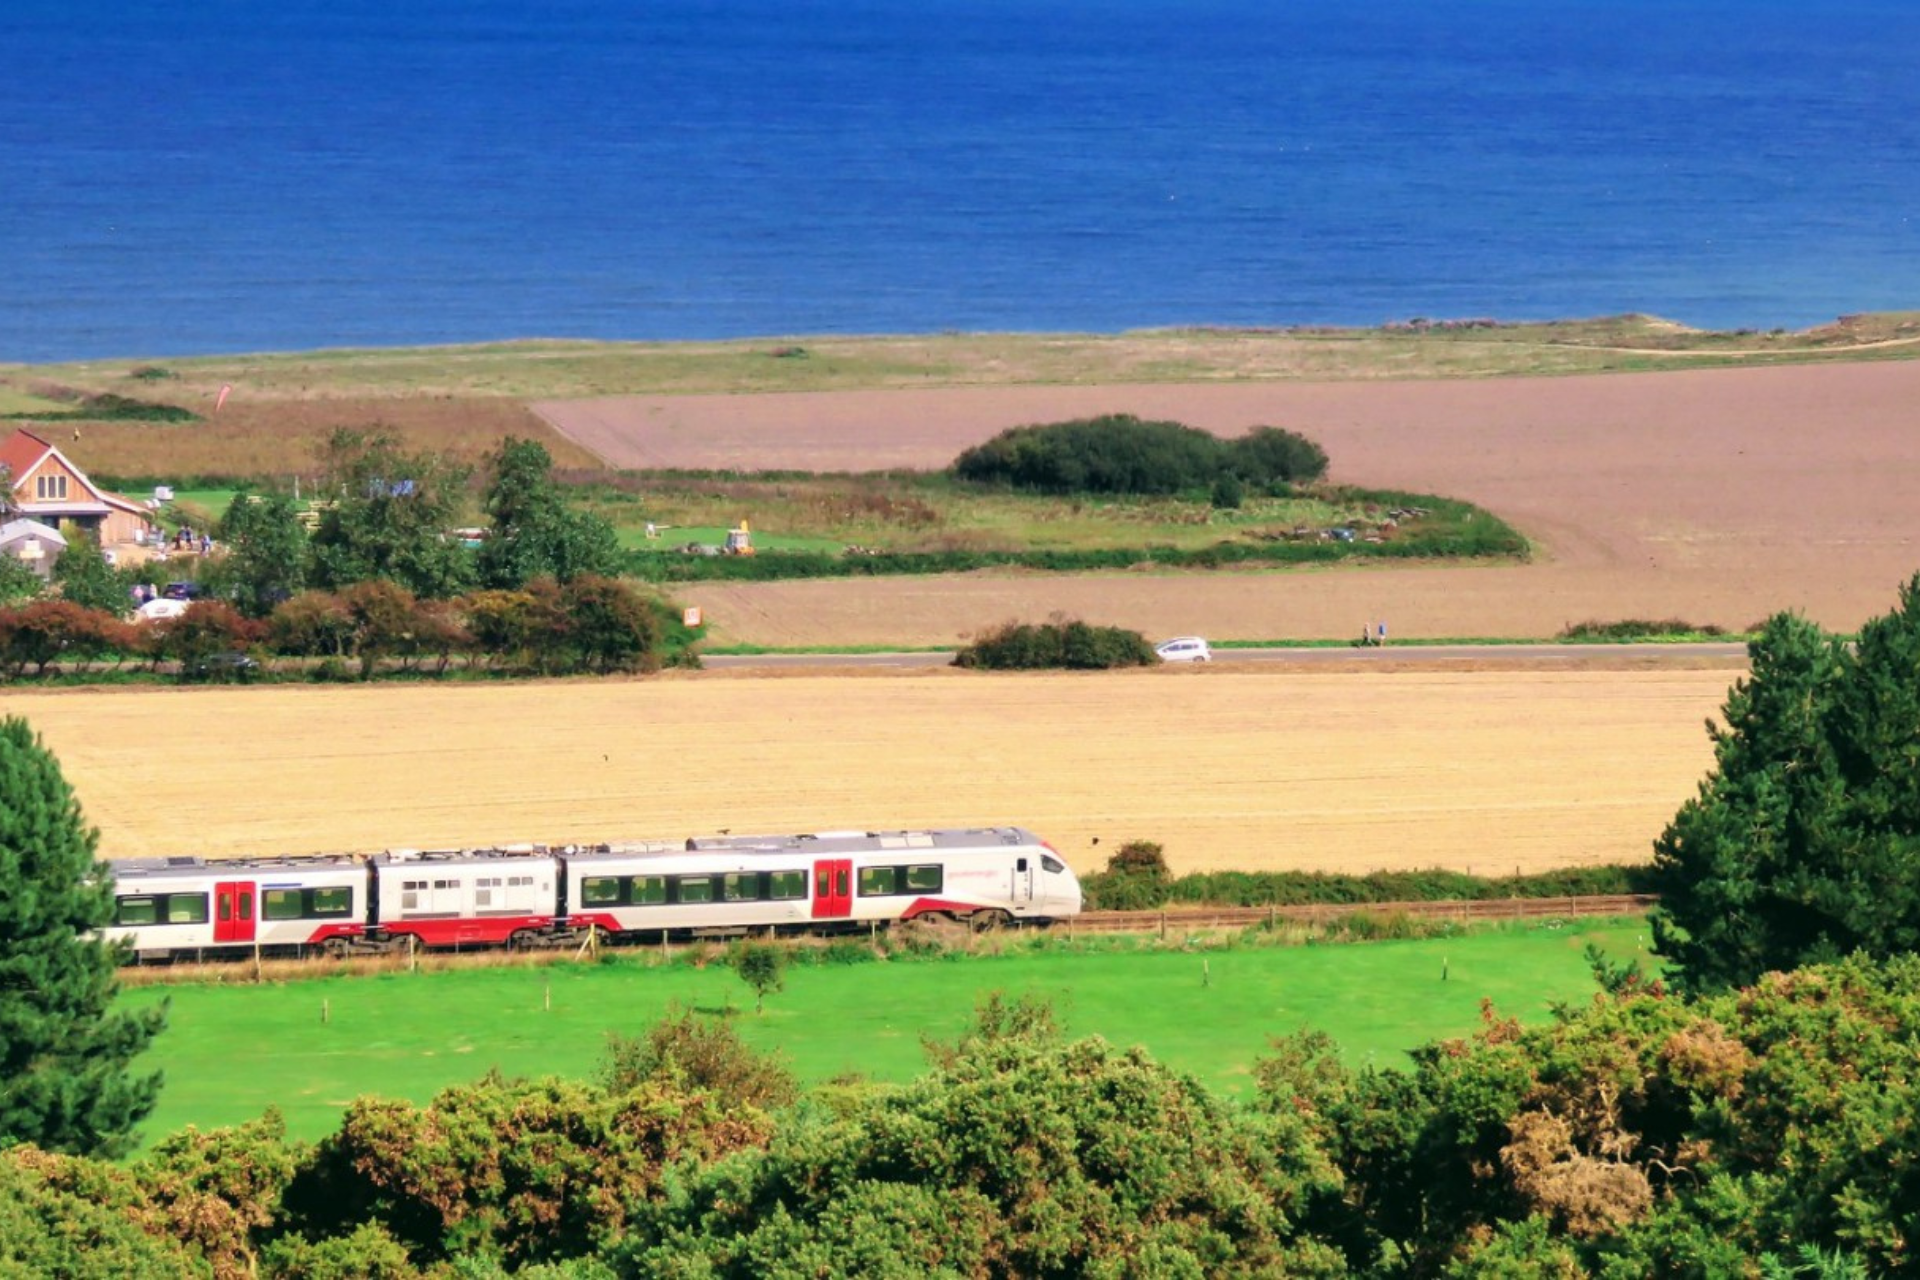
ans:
(1478, 655)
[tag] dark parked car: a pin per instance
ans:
(182, 591)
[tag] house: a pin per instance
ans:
(34, 544)
(48, 488)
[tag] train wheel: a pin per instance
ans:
(989, 920)
(336, 948)
(522, 940)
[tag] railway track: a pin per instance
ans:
(1189, 919)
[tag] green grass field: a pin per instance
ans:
(232, 1050)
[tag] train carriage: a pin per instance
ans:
(170, 906)
(464, 897)
(820, 882)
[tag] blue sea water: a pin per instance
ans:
(232, 175)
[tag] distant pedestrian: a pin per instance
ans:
(1383, 635)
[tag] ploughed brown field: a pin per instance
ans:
(1716, 496)
(1252, 767)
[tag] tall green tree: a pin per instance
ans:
(266, 559)
(17, 582)
(65, 1053)
(1803, 844)
(390, 517)
(84, 576)
(535, 533)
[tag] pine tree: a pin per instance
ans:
(64, 1053)
(1739, 866)
(1803, 845)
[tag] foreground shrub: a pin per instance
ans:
(519, 1171)
(1020, 646)
(73, 1218)
(690, 1052)
(1021, 1157)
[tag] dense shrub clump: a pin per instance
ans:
(1122, 454)
(1021, 646)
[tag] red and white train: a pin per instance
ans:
(527, 896)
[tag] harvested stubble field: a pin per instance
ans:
(1268, 768)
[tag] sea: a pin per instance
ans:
(230, 176)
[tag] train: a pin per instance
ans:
(530, 896)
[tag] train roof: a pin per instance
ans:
(134, 868)
(870, 841)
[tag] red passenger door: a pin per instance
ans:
(233, 911)
(833, 888)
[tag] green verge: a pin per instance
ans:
(1206, 1009)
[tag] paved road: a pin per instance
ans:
(1484, 655)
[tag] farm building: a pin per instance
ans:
(48, 488)
(35, 544)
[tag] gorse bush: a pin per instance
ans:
(1122, 454)
(1020, 646)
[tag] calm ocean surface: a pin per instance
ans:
(240, 175)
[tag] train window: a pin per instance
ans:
(226, 907)
(186, 908)
(1019, 864)
(741, 886)
(446, 884)
(136, 911)
(647, 891)
(599, 890)
(786, 884)
(482, 897)
(875, 881)
(330, 902)
(281, 904)
(246, 905)
(518, 882)
(410, 899)
(695, 888)
(1052, 864)
(924, 879)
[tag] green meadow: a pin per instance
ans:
(309, 1047)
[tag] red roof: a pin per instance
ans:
(21, 452)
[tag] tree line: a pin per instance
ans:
(379, 580)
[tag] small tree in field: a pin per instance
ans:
(64, 1054)
(760, 967)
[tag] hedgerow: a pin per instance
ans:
(1112, 890)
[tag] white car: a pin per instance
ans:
(1184, 649)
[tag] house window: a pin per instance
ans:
(49, 488)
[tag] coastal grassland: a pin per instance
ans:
(535, 370)
(919, 513)
(1208, 1009)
